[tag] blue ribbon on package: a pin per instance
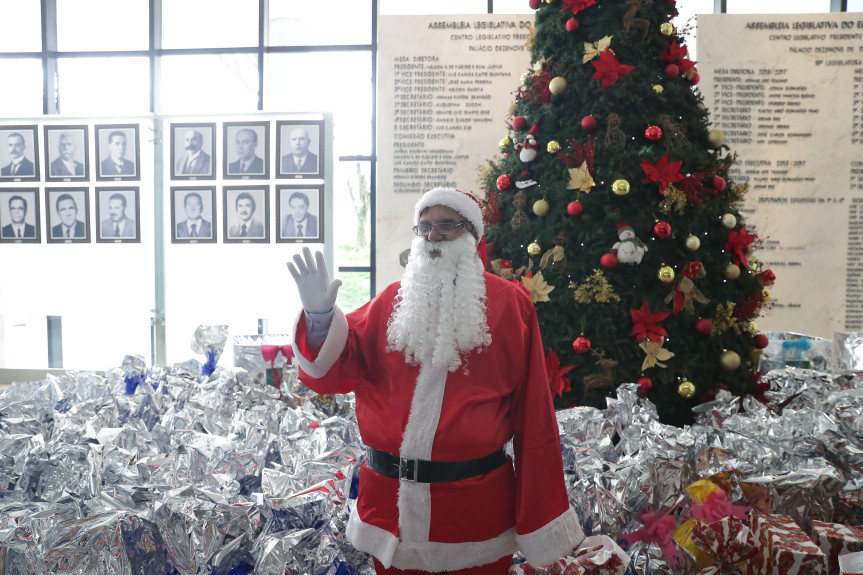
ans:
(209, 367)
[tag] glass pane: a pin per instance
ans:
(209, 83)
(512, 7)
(355, 290)
(855, 6)
(336, 82)
(86, 87)
(687, 20)
(416, 7)
(25, 99)
(209, 23)
(21, 27)
(774, 7)
(103, 25)
(299, 22)
(352, 213)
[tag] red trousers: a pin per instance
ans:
(499, 567)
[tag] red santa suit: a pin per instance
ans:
(429, 413)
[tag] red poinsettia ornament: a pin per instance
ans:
(608, 69)
(645, 322)
(663, 171)
(557, 380)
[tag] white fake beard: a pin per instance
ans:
(440, 309)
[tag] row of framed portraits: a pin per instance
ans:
(245, 214)
(242, 152)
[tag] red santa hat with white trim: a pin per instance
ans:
(465, 203)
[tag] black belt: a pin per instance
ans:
(423, 471)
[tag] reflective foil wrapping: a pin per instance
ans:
(210, 341)
(186, 474)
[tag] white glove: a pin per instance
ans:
(317, 294)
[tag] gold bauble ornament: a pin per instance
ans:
(658, 88)
(557, 86)
(716, 138)
(729, 360)
(552, 147)
(511, 109)
(765, 294)
(666, 28)
(732, 271)
(620, 187)
(524, 78)
(533, 249)
(686, 389)
(504, 142)
(665, 274)
(751, 327)
(540, 208)
(692, 243)
(729, 221)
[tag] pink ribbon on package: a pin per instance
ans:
(270, 353)
(657, 530)
(717, 507)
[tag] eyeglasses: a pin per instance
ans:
(443, 228)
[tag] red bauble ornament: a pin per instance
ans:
(575, 209)
(653, 133)
(572, 25)
(519, 123)
(645, 384)
(672, 71)
(535, 4)
(608, 261)
(662, 230)
(588, 123)
(761, 341)
(503, 182)
(704, 326)
(581, 345)
(718, 183)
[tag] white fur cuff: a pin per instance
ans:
(330, 350)
(552, 541)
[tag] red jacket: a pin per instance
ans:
(429, 413)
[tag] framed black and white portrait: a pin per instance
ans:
(19, 153)
(19, 216)
(300, 149)
(118, 152)
(193, 215)
(192, 151)
(118, 212)
(68, 215)
(301, 213)
(246, 214)
(246, 150)
(67, 153)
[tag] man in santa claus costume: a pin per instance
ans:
(447, 366)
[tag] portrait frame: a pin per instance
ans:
(261, 198)
(178, 146)
(285, 233)
(315, 130)
(103, 133)
(30, 134)
(32, 216)
(53, 220)
(231, 170)
(80, 134)
(132, 195)
(180, 234)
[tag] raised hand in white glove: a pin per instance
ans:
(317, 294)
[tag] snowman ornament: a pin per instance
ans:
(527, 150)
(629, 249)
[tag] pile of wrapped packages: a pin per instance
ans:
(196, 468)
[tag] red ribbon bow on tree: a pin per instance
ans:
(270, 353)
(737, 244)
(657, 530)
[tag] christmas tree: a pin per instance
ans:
(610, 202)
